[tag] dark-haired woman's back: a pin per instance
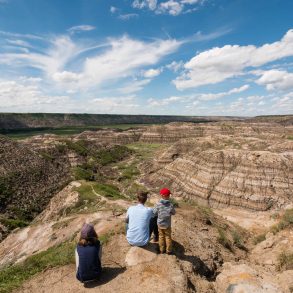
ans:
(89, 264)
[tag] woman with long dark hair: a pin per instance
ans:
(88, 255)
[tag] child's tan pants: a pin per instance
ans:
(165, 240)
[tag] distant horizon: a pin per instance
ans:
(147, 57)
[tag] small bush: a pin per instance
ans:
(259, 238)
(83, 174)
(223, 239)
(238, 240)
(286, 221)
(285, 260)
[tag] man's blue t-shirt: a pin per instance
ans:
(138, 225)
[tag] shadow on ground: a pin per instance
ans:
(198, 265)
(108, 275)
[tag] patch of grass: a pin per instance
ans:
(286, 221)
(12, 224)
(223, 239)
(290, 137)
(259, 238)
(112, 155)
(108, 190)
(128, 171)
(133, 189)
(145, 150)
(80, 173)
(238, 240)
(12, 277)
(85, 194)
(285, 261)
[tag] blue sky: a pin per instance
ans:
(171, 57)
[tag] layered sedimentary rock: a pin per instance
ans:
(255, 180)
(173, 132)
(111, 136)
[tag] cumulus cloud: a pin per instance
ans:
(276, 80)
(171, 7)
(113, 9)
(217, 64)
(20, 97)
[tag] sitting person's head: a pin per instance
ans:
(165, 193)
(88, 235)
(142, 197)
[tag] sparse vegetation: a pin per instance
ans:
(78, 146)
(238, 240)
(285, 260)
(145, 150)
(112, 155)
(108, 190)
(286, 221)
(223, 239)
(47, 156)
(12, 224)
(259, 238)
(12, 277)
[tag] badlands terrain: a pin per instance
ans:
(232, 183)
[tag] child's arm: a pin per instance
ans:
(172, 212)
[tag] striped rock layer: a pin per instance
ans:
(256, 180)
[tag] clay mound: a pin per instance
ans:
(255, 180)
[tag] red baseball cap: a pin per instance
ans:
(165, 192)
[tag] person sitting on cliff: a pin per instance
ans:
(139, 222)
(88, 255)
(164, 209)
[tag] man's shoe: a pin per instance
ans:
(170, 253)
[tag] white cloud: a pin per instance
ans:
(127, 16)
(171, 7)
(152, 73)
(80, 28)
(214, 96)
(164, 102)
(217, 64)
(19, 97)
(134, 86)
(175, 66)
(121, 58)
(151, 4)
(67, 77)
(124, 57)
(113, 9)
(276, 80)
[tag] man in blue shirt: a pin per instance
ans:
(138, 218)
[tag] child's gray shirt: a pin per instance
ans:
(164, 209)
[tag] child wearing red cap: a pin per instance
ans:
(164, 209)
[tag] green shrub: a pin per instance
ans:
(79, 147)
(223, 239)
(83, 174)
(286, 221)
(238, 240)
(12, 277)
(259, 238)
(112, 155)
(285, 260)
